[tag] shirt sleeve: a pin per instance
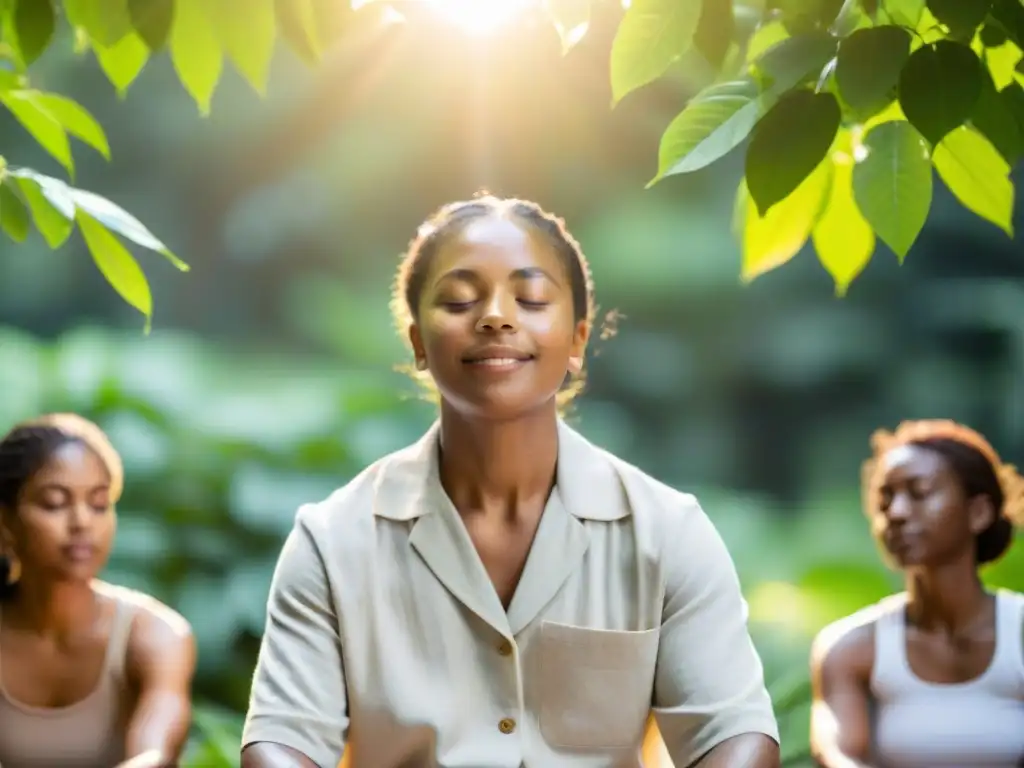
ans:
(709, 683)
(298, 695)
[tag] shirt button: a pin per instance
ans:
(505, 649)
(507, 725)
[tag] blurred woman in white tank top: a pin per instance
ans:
(932, 677)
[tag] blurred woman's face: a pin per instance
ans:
(63, 527)
(923, 517)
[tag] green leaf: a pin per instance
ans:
(117, 265)
(1010, 15)
(993, 35)
(962, 17)
(122, 61)
(118, 220)
(977, 176)
(868, 66)
(34, 23)
(13, 214)
(907, 13)
(892, 184)
(772, 240)
(75, 119)
(938, 88)
(788, 143)
(649, 39)
(297, 24)
(196, 52)
(105, 21)
(571, 19)
(715, 30)
(851, 17)
(795, 61)
(994, 116)
(843, 238)
(152, 20)
(715, 122)
(764, 38)
(44, 128)
(246, 30)
(1001, 61)
(52, 209)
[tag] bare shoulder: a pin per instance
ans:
(847, 646)
(156, 628)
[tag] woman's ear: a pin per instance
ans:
(578, 350)
(418, 351)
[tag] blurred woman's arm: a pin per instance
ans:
(162, 659)
(841, 662)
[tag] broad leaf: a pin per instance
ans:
(34, 23)
(571, 19)
(992, 35)
(715, 31)
(715, 122)
(868, 66)
(994, 116)
(906, 13)
(851, 17)
(977, 176)
(765, 38)
(118, 220)
(842, 237)
(1002, 62)
(14, 218)
(650, 37)
(892, 184)
(962, 17)
(196, 52)
(152, 20)
(50, 204)
(43, 126)
(939, 87)
(1010, 15)
(106, 21)
(788, 143)
(117, 265)
(794, 61)
(297, 25)
(75, 119)
(123, 61)
(246, 31)
(772, 240)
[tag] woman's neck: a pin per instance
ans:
(949, 597)
(53, 610)
(498, 466)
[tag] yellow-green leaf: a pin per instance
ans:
(122, 61)
(13, 213)
(772, 240)
(105, 21)
(43, 126)
(766, 36)
(196, 52)
(842, 237)
(652, 35)
(1002, 62)
(117, 265)
(52, 209)
(246, 31)
(75, 119)
(297, 25)
(977, 175)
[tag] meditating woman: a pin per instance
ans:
(932, 677)
(503, 592)
(91, 675)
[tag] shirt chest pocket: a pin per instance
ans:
(595, 685)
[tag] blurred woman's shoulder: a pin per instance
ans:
(849, 642)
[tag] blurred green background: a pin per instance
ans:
(269, 378)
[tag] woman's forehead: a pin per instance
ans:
(73, 461)
(911, 460)
(496, 242)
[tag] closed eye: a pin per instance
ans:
(533, 304)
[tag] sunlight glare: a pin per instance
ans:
(480, 17)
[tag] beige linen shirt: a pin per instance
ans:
(384, 632)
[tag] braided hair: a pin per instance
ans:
(973, 461)
(27, 448)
